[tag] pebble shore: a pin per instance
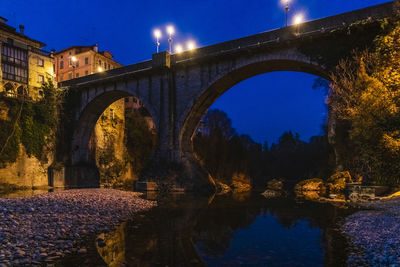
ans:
(375, 234)
(46, 227)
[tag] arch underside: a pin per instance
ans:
(227, 80)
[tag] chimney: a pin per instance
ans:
(21, 29)
(96, 48)
(3, 20)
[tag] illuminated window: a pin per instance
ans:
(41, 79)
(61, 65)
(40, 62)
(86, 61)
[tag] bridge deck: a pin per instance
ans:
(313, 27)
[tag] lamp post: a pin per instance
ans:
(157, 34)
(287, 11)
(73, 63)
(170, 31)
(191, 45)
(178, 49)
(297, 20)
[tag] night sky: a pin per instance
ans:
(263, 106)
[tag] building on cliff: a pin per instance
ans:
(24, 65)
(78, 61)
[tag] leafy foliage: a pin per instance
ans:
(35, 127)
(365, 98)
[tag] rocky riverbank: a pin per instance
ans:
(375, 234)
(46, 227)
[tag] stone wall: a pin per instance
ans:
(26, 171)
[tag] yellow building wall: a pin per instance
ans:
(35, 70)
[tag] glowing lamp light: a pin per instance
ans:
(299, 18)
(178, 49)
(191, 45)
(170, 30)
(157, 34)
(74, 59)
(100, 69)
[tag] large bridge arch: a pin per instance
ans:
(224, 81)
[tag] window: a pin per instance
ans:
(86, 72)
(70, 75)
(111, 113)
(77, 63)
(100, 63)
(14, 63)
(108, 66)
(41, 79)
(62, 56)
(40, 62)
(134, 100)
(61, 65)
(77, 75)
(10, 41)
(86, 61)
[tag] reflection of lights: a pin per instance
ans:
(299, 18)
(74, 59)
(100, 69)
(178, 49)
(191, 45)
(285, 2)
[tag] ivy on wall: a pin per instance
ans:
(34, 128)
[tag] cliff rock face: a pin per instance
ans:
(110, 150)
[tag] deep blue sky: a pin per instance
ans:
(263, 106)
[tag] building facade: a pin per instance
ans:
(78, 61)
(24, 65)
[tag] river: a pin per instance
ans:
(230, 230)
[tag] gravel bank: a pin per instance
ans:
(46, 227)
(375, 234)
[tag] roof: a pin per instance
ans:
(89, 47)
(12, 30)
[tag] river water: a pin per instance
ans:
(230, 230)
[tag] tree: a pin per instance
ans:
(365, 96)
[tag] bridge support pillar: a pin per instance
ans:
(77, 176)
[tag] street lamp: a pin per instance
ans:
(73, 63)
(157, 34)
(100, 69)
(178, 49)
(191, 45)
(170, 31)
(297, 20)
(286, 2)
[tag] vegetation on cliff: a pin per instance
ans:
(31, 124)
(365, 99)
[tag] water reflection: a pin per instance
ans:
(228, 231)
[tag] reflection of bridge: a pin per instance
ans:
(178, 89)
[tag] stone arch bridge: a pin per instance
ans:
(178, 89)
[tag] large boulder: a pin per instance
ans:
(313, 184)
(338, 181)
(275, 184)
(241, 183)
